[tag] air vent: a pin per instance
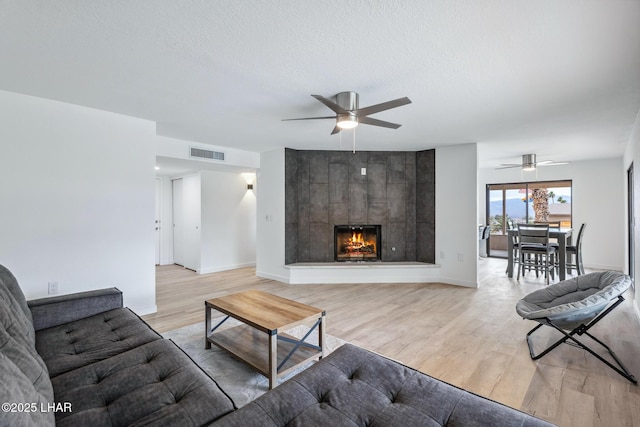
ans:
(206, 154)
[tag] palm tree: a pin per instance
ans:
(562, 200)
(541, 204)
(552, 196)
(498, 223)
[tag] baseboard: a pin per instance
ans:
(144, 310)
(604, 267)
(218, 268)
(456, 282)
(275, 277)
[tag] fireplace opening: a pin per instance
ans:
(357, 243)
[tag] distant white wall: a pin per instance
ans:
(271, 221)
(223, 213)
(77, 192)
(228, 222)
(179, 149)
(456, 218)
(598, 199)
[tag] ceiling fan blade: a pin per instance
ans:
(372, 109)
(335, 130)
(310, 118)
(508, 166)
(552, 163)
(376, 122)
(329, 103)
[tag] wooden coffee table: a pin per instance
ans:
(260, 341)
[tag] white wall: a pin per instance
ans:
(456, 207)
(228, 217)
(77, 191)
(598, 199)
(270, 217)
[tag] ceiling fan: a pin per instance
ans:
(349, 114)
(529, 163)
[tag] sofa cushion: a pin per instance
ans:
(18, 350)
(9, 282)
(355, 387)
(154, 384)
(24, 358)
(12, 314)
(18, 388)
(92, 339)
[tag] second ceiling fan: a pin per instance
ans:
(349, 114)
(529, 163)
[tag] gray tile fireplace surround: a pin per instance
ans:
(327, 188)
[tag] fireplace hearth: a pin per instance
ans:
(357, 243)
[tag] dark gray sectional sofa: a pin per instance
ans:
(84, 360)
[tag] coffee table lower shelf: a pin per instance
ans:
(252, 347)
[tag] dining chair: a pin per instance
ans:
(535, 251)
(516, 245)
(576, 250)
(552, 241)
(552, 224)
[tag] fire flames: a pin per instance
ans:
(358, 244)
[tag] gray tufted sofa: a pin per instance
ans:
(84, 360)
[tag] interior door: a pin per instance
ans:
(186, 222)
(631, 224)
(191, 203)
(157, 224)
(178, 222)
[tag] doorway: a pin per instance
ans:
(525, 202)
(631, 225)
(186, 221)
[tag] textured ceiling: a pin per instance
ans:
(557, 78)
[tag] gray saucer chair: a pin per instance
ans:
(572, 307)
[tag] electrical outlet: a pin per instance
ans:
(53, 288)
(363, 171)
(460, 257)
(441, 254)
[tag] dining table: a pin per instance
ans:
(562, 235)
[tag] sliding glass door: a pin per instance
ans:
(525, 202)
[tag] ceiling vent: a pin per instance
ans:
(206, 154)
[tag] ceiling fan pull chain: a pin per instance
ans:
(354, 140)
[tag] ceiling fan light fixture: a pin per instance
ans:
(528, 162)
(347, 121)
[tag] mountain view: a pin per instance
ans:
(515, 208)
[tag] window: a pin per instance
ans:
(525, 202)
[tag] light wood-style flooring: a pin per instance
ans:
(472, 338)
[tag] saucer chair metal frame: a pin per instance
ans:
(577, 317)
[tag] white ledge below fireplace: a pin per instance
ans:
(362, 272)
